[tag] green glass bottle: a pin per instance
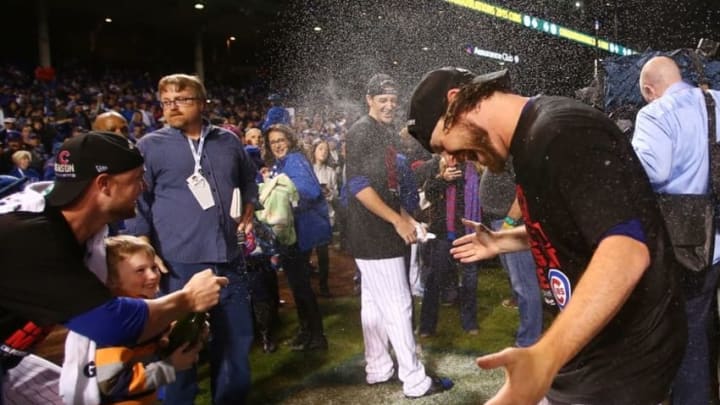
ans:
(188, 329)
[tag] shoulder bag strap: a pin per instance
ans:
(714, 163)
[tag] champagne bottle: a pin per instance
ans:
(188, 329)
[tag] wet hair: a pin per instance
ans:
(289, 135)
(121, 247)
(181, 82)
(468, 97)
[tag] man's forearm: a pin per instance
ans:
(615, 269)
(370, 199)
(162, 311)
(513, 240)
(515, 212)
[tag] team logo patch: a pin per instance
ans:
(63, 156)
(63, 168)
(560, 287)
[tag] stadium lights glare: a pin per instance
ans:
(108, 19)
(199, 5)
(547, 27)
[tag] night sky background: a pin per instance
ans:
(277, 42)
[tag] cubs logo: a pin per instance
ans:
(63, 156)
(560, 287)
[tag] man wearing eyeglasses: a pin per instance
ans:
(191, 170)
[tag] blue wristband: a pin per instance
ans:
(511, 221)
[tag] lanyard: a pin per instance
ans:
(197, 154)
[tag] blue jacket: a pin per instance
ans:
(312, 222)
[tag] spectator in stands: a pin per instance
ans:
(112, 121)
(80, 116)
(31, 143)
(148, 118)
(48, 135)
(21, 161)
(14, 143)
(253, 136)
(8, 125)
(277, 114)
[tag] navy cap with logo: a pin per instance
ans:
(84, 157)
(381, 84)
(429, 102)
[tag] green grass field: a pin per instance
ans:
(337, 376)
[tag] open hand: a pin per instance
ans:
(528, 375)
(480, 245)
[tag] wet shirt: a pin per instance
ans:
(369, 236)
(671, 140)
(578, 177)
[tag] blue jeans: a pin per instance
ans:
(231, 336)
(696, 380)
(439, 261)
(523, 280)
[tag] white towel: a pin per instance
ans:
(78, 381)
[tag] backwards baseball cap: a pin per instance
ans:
(381, 84)
(429, 102)
(83, 157)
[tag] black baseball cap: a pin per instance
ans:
(429, 102)
(381, 84)
(83, 157)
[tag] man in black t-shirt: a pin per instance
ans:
(378, 230)
(42, 256)
(595, 231)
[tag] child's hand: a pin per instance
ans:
(160, 265)
(185, 356)
(165, 336)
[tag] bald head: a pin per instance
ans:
(111, 121)
(657, 75)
